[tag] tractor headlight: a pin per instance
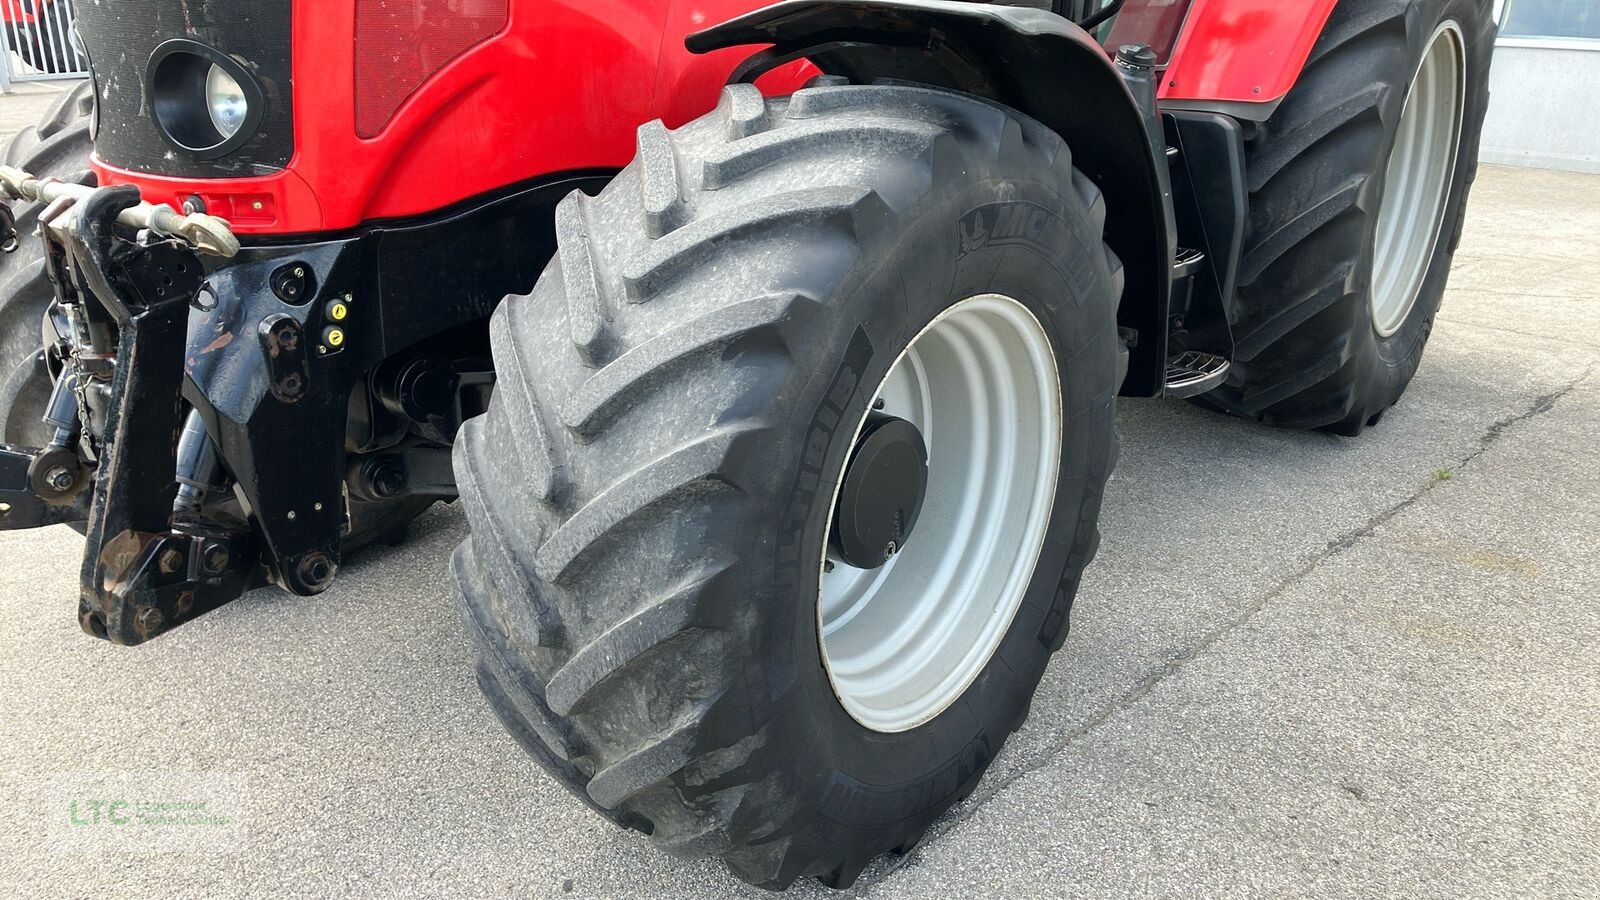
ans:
(204, 102)
(225, 101)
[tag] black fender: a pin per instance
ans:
(1031, 60)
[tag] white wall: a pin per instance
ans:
(1544, 109)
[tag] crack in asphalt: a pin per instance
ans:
(1557, 339)
(1349, 539)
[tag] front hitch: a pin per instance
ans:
(125, 272)
(139, 575)
(235, 407)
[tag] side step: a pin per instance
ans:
(1193, 373)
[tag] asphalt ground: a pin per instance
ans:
(1302, 665)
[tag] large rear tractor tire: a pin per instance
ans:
(703, 595)
(1358, 187)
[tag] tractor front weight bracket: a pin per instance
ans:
(219, 408)
(162, 342)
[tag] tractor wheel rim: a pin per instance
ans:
(1421, 171)
(902, 642)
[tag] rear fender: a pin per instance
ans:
(1028, 59)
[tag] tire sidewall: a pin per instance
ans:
(864, 781)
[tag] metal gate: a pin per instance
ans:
(39, 42)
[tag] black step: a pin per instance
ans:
(1187, 262)
(1193, 373)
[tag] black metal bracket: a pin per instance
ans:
(20, 505)
(1208, 183)
(236, 383)
(139, 577)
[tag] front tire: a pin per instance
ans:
(650, 492)
(58, 147)
(1353, 223)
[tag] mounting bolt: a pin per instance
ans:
(878, 403)
(215, 558)
(59, 478)
(169, 560)
(890, 549)
(149, 621)
(316, 571)
(827, 566)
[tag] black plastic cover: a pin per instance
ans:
(120, 36)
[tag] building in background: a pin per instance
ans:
(1545, 110)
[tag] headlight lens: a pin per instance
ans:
(225, 101)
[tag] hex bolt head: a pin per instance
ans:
(316, 571)
(149, 621)
(169, 560)
(59, 478)
(215, 558)
(890, 549)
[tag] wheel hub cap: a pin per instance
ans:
(881, 495)
(903, 638)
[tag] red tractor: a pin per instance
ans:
(772, 352)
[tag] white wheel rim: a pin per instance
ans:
(902, 642)
(1421, 171)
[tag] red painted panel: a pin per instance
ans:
(563, 87)
(401, 43)
(1248, 51)
(566, 83)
